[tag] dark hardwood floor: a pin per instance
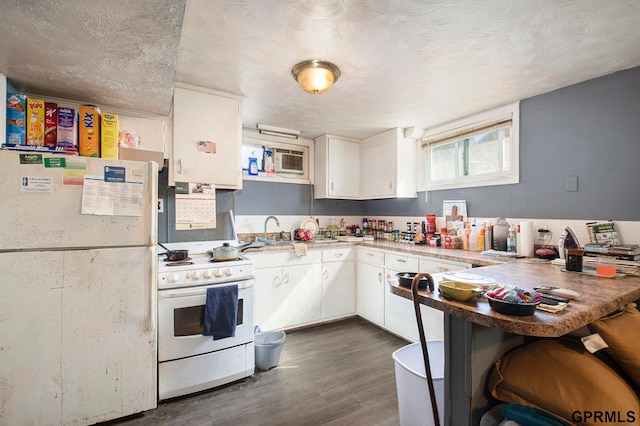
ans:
(340, 373)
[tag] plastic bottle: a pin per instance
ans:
(511, 239)
(481, 235)
(253, 166)
(465, 238)
(268, 166)
(473, 238)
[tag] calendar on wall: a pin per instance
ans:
(195, 206)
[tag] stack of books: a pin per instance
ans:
(619, 251)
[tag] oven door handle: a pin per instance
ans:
(198, 291)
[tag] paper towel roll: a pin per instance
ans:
(527, 239)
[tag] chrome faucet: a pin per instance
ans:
(265, 225)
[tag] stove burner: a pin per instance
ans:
(179, 263)
(184, 261)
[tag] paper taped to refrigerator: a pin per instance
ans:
(111, 198)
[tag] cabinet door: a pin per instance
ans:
(343, 168)
(201, 116)
(302, 294)
(370, 292)
(399, 313)
(338, 289)
(268, 303)
(379, 169)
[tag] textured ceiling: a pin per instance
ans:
(404, 62)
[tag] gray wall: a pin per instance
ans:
(589, 130)
(166, 220)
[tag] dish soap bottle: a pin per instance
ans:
(253, 166)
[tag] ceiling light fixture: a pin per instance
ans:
(315, 76)
(265, 129)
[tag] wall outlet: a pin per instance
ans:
(160, 205)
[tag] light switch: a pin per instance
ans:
(572, 184)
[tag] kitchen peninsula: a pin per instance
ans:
(476, 336)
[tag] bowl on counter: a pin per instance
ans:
(512, 308)
(459, 291)
(406, 278)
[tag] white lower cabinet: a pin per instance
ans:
(338, 283)
(288, 290)
(370, 285)
(377, 303)
(287, 297)
(399, 314)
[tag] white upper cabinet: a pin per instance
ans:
(207, 116)
(382, 166)
(337, 167)
(389, 166)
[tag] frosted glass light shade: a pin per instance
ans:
(315, 76)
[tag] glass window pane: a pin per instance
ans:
(252, 151)
(443, 162)
(484, 153)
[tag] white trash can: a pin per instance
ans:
(414, 402)
(268, 348)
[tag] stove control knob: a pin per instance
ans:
(173, 278)
(208, 273)
(217, 272)
(195, 275)
(228, 272)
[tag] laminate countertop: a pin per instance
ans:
(474, 258)
(599, 296)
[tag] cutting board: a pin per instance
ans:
(454, 215)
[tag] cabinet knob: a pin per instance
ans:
(332, 186)
(325, 274)
(286, 279)
(380, 276)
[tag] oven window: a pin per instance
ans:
(189, 321)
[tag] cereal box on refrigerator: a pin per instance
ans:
(89, 131)
(67, 129)
(16, 118)
(110, 136)
(50, 124)
(35, 122)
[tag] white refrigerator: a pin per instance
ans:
(77, 309)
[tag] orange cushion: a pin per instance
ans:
(621, 332)
(565, 380)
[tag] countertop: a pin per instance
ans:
(599, 296)
(475, 258)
